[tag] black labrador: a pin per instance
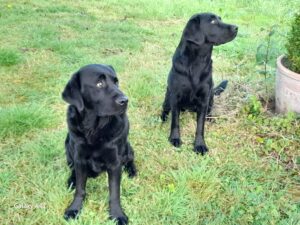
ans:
(190, 84)
(97, 138)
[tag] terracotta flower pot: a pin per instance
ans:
(287, 88)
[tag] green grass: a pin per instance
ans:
(250, 176)
(19, 120)
(9, 57)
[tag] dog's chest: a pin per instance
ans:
(99, 158)
(192, 97)
(193, 93)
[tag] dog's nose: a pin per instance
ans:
(122, 100)
(235, 28)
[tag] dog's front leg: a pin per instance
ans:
(200, 146)
(175, 133)
(114, 182)
(81, 177)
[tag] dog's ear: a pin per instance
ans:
(192, 32)
(111, 68)
(72, 94)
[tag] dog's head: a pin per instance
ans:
(208, 28)
(95, 87)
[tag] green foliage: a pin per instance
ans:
(277, 135)
(267, 50)
(253, 107)
(9, 57)
(293, 45)
(267, 53)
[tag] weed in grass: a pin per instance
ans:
(277, 136)
(253, 108)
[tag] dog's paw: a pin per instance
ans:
(71, 214)
(164, 116)
(120, 220)
(176, 142)
(132, 171)
(202, 149)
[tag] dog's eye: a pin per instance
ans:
(100, 84)
(213, 21)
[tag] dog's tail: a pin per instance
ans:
(221, 87)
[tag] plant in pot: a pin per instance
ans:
(288, 72)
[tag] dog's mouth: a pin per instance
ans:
(233, 36)
(114, 113)
(122, 111)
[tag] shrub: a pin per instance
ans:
(293, 45)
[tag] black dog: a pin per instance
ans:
(97, 137)
(190, 84)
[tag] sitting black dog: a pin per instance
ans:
(97, 137)
(190, 84)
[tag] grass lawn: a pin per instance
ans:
(251, 174)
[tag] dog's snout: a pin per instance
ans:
(122, 100)
(234, 28)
